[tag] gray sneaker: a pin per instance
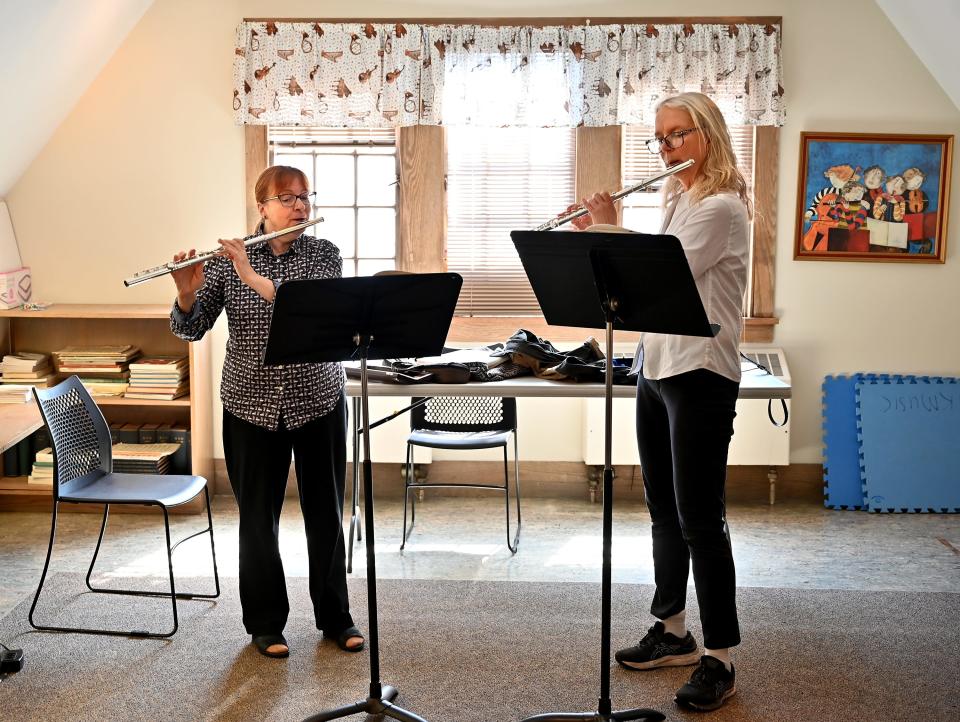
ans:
(659, 649)
(709, 687)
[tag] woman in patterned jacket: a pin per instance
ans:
(271, 411)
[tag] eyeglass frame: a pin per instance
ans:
(661, 142)
(308, 202)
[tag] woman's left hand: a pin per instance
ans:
(601, 208)
(236, 251)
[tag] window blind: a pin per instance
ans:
(500, 180)
(639, 163)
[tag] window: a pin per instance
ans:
(354, 173)
(641, 210)
(500, 180)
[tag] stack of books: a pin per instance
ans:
(42, 474)
(103, 370)
(159, 377)
(15, 394)
(27, 368)
(142, 458)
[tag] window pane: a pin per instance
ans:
(334, 183)
(337, 227)
(376, 179)
(370, 266)
(349, 267)
(302, 161)
(377, 233)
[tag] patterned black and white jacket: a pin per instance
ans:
(259, 394)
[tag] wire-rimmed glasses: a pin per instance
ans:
(288, 200)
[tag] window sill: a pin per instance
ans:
(490, 329)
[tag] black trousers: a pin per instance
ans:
(684, 427)
(258, 461)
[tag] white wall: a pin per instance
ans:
(120, 186)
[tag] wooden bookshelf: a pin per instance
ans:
(146, 326)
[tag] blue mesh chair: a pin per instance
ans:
(83, 474)
(463, 422)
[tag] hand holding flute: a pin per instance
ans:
(600, 209)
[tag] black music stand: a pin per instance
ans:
(627, 281)
(376, 317)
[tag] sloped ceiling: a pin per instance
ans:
(50, 52)
(931, 29)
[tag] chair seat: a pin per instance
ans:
(459, 439)
(165, 489)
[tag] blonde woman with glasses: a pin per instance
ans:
(686, 397)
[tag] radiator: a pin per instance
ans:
(756, 440)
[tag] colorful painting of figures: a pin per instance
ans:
(873, 197)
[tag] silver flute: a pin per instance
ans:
(560, 220)
(171, 266)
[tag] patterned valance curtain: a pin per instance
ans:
(377, 75)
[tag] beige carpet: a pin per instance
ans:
(484, 652)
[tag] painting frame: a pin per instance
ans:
(856, 203)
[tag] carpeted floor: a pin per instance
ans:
(484, 652)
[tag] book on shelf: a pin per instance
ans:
(43, 380)
(15, 393)
(181, 462)
(129, 433)
(42, 472)
(143, 452)
(104, 387)
(24, 362)
(98, 354)
(165, 395)
(148, 433)
(159, 364)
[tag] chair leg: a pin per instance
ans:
(111, 632)
(96, 550)
(144, 593)
(408, 470)
(46, 565)
(516, 483)
(512, 546)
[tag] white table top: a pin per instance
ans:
(755, 384)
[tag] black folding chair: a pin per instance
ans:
(83, 474)
(463, 422)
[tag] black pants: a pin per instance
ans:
(258, 461)
(684, 427)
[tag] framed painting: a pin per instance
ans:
(873, 197)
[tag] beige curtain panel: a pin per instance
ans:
(377, 75)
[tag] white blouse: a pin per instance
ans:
(714, 234)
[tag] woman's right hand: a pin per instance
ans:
(189, 279)
(580, 223)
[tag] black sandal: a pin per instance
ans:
(348, 634)
(264, 641)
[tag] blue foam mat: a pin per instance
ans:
(909, 427)
(842, 482)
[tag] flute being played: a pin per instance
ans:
(170, 266)
(646, 183)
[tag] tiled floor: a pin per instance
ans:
(794, 545)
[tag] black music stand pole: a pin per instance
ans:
(640, 283)
(368, 317)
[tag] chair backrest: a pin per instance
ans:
(78, 432)
(465, 413)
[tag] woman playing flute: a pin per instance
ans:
(269, 412)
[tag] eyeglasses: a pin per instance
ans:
(672, 140)
(288, 200)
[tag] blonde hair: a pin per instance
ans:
(719, 171)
